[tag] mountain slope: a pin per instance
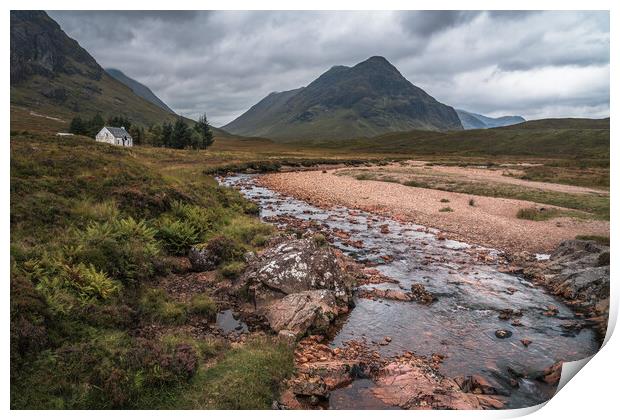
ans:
(365, 100)
(471, 120)
(138, 88)
(52, 75)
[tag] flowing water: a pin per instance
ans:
(461, 323)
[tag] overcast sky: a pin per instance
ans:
(534, 64)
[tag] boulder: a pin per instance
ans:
(202, 259)
(299, 312)
(410, 386)
(574, 271)
(292, 266)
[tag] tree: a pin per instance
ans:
(137, 134)
(78, 126)
(119, 121)
(181, 135)
(95, 125)
(203, 129)
(166, 135)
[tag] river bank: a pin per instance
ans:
(487, 221)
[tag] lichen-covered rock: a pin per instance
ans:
(294, 266)
(574, 271)
(202, 259)
(299, 312)
(579, 272)
(207, 256)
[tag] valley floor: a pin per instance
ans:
(471, 215)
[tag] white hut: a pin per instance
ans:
(115, 135)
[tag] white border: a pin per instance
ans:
(591, 395)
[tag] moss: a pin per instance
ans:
(155, 305)
(232, 269)
(203, 304)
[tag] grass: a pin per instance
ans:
(544, 142)
(603, 240)
(541, 214)
(91, 225)
(246, 378)
(590, 205)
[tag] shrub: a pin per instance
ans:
(110, 371)
(245, 229)
(319, 239)
(176, 236)
(535, 214)
(155, 305)
(472, 202)
(202, 304)
(224, 249)
(202, 219)
(259, 240)
(30, 317)
(446, 209)
(444, 200)
(123, 249)
(66, 285)
(232, 269)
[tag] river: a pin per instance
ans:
(461, 323)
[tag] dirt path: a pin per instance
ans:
(491, 222)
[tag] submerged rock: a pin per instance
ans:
(503, 333)
(389, 294)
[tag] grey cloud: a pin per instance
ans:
(223, 62)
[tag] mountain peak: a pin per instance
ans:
(367, 99)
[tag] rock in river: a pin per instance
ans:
(299, 312)
(294, 266)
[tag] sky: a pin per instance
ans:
(534, 64)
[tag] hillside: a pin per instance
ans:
(139, 89)
(576, 139)
(472, 121)
(365, 100)
(564, 123)
(52, 75)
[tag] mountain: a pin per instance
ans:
(138, 88)
(365, 100)
(471, 120)
(53, 75)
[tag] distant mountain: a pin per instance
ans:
(471, 120)
(138, 88)
(53, 75)
(365, 100)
